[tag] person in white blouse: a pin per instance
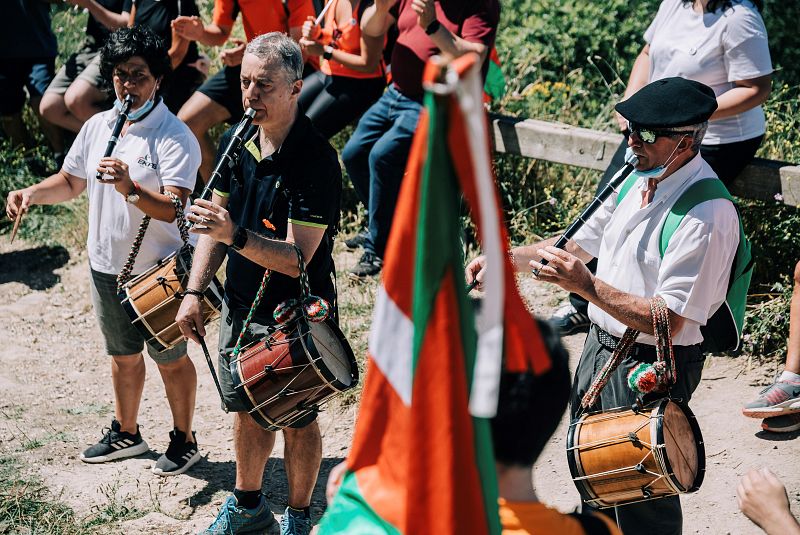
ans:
(668, 119)
(723, 44)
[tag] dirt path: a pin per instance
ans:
(56, 397)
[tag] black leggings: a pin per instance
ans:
(333, 102)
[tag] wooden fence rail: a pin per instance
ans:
(592, 149)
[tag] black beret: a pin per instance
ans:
(669, 103)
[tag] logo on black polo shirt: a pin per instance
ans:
(144, 161)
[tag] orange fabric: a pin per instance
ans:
(348, 40)
(263, 16)
(532, 518)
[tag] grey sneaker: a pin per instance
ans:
(115, 444)
(295, 523)
(369, 266)
(356, 241)
(782, 424)
(180, 455)
(233, 520)
(781, 397)
(567, 320)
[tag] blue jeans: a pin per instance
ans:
(375, 159)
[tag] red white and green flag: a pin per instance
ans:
(422, 459)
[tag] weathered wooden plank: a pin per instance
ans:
(556, 142)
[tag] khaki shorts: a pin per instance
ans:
(81, 66)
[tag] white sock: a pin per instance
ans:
(789, 376)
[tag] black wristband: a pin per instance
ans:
(239, 239)
(433, 27)
(328, 54)
(192, 291)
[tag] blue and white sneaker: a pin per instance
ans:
(115, 444)
(295, 522)
(233, 520)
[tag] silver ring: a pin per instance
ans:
(203, 220)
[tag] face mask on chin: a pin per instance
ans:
(658, 171)
(142, 111)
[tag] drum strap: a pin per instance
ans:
(125, 275)
(591, 524)
(644, 378)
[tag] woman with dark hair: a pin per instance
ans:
(352, 74)
(154, 166)
(723, 44)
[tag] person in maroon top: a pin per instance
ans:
(375, 156)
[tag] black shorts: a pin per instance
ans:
(225, 88)
(17, 75)
(183, 81)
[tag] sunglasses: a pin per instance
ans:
(650, 135)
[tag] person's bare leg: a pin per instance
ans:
(127, 375)
(54, 134)
(180, 384)
(84, 100)
(793, 346)
(14, 127)
(302, 459)
(253, 447)
(54, 109)
(200, 113)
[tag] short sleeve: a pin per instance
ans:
(481, 26)
(315, 197)
(651, 30)
(179, 159)
(696, 266)
(225, 13)
(75, 161)
(299, 11)
(188, 8)
(127, 6)
(746, 47)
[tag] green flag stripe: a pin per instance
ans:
(351, 513)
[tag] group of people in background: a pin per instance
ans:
(307, 77)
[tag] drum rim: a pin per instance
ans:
(326, 374)
(698, 435)
(573, 458)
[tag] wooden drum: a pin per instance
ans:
(624, 456)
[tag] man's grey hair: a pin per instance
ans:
(698, 132)
(279, 48)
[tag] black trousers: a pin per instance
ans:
(656, 517)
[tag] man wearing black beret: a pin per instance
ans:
(667, 120)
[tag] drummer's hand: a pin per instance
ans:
(231, 57)
(311, 30)
(115, 172)
(564, 269)
(762, 498)
(212, 220)
(17, 200)
(190, 318)
(476, 271)
(335, 481)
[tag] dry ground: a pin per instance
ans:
(56, 397)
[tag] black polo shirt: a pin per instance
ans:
(301, 183)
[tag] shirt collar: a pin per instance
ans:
(290, 146)
(667, 187)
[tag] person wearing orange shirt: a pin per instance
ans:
(352, 73)
(220, 98)
(529, 409)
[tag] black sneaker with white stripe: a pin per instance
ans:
(115, 444)
(180, 455)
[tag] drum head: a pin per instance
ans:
(334, 352)
(681, 445)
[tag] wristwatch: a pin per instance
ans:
(239, 238)
(133, 195)
(328, 52)
(433, 27)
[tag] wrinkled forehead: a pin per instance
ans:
(256, 68)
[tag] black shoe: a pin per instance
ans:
(369, 266)
(356, 241)
(567, 320)
(180, 455)
(115, 444)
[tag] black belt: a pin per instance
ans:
(609, 341)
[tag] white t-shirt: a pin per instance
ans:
(715, 49)
(693, 275)
(160, 151)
